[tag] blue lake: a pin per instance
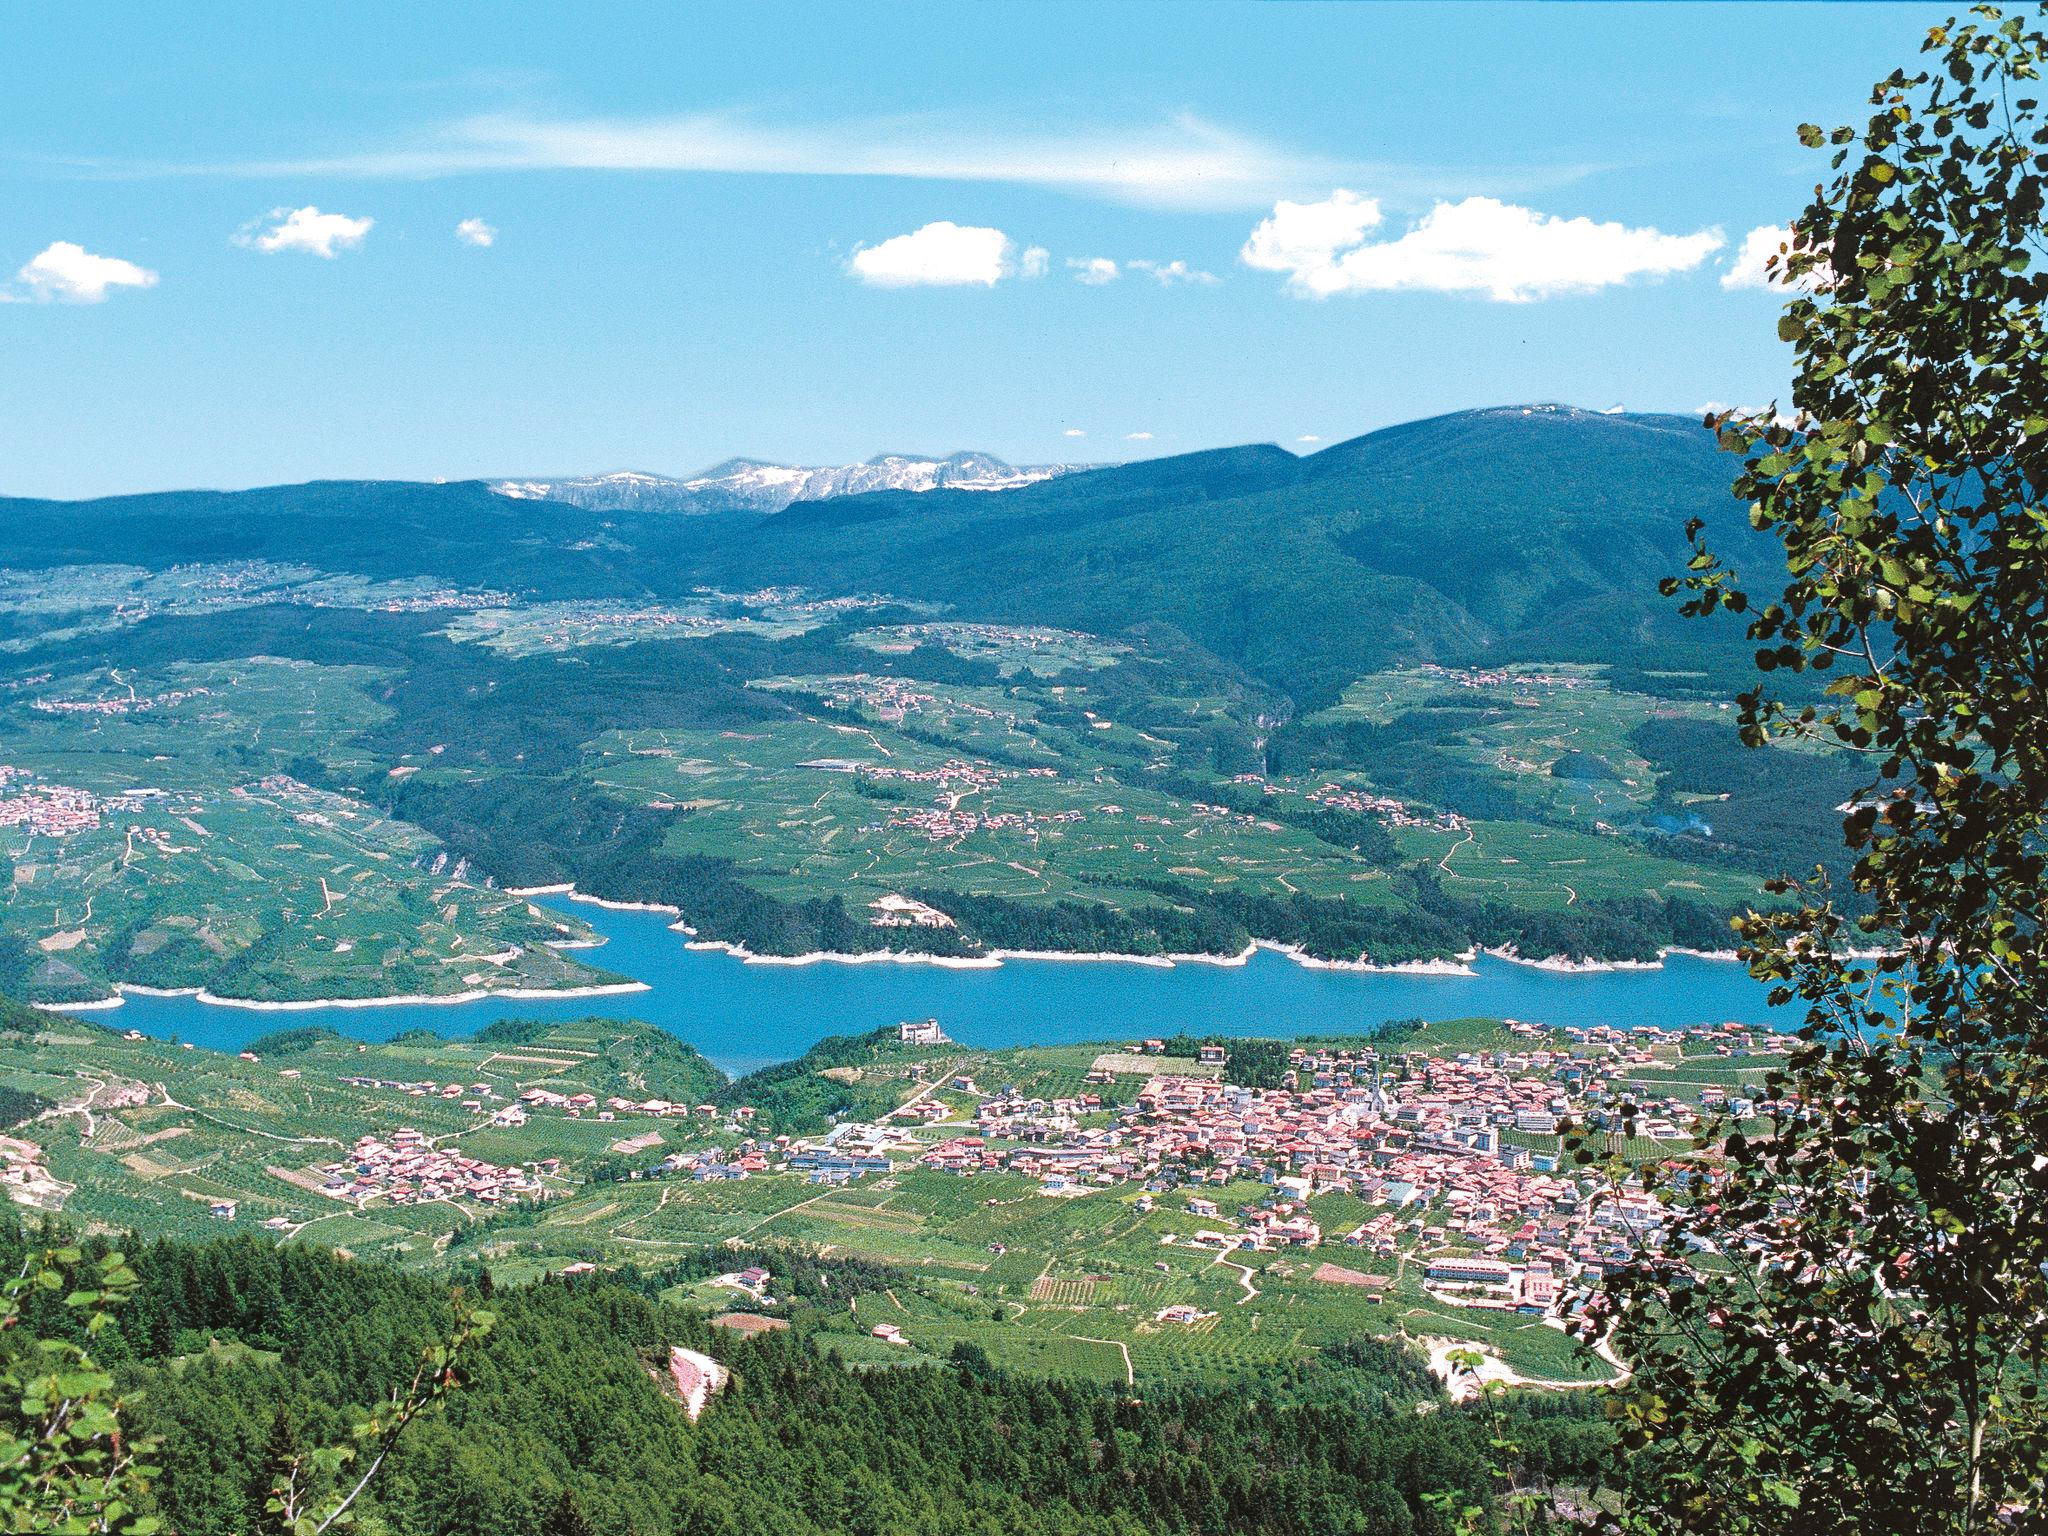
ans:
(743, 1016)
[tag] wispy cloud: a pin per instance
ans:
(1183, 162)
(1093, 270)
(476, 232)
(1171, 274)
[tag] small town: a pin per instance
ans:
(1456, 1153)
(409, 1169)
(1431, 1140)
(57, 810)
(132, 703)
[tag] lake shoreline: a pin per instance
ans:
(745, 1016)
(1446, 967)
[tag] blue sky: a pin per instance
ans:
(813, 234)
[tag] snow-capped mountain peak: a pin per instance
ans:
(751, 485)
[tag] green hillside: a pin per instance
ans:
(295, 743)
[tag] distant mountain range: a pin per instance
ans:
(1518, 533)
(752, 485)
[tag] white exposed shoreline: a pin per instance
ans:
(1456, 966)
(123, 989)
(1565, 965)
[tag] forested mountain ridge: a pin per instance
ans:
(1495, 535)
(1505, 534)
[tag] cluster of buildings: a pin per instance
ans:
(1499, 677)
(897, 911)
(409, 1169)
(483, 1098)
(134, 703)
(959, 635)
(956, 775)
(1395, 813)
(26, 1179)
(943, 820)
(796, 600)
(469, 1095)
(1452, 1149)
(565, 625)
(1341, 797)
(577, 1105)
(889, 699)
(944, 824)
(57, 810)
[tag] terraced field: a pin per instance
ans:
(178, 851)
(824, 804)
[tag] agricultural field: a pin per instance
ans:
(1555, 866)
(1013, 648)
(543, 628)
(1557, 735)
(156, 1137)
(821, 805)
(61, 603)
(1036, 792)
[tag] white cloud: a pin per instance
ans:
(1137, 437)
(1305, 237)
(476, 232)
(1308, 437)
(305, 229)
(67, 273)
(1075, 432)
(1035, 261)
(1748, 268)
(1093, 270)
(1480, 245)
(941, 254)
(1169, 273)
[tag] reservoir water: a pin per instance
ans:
(743, 1016)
